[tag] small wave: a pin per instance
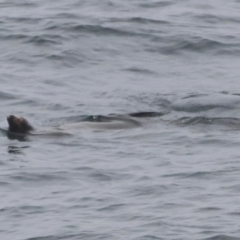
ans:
(30, 20)
(221, 237)
(66, 15)
(15, 4)
(29, 102)
(46, 39)
(203, 174)
(14, 37)
(40, 177)
(199, 175)
(216, 19)
(84, 235)
(194, 95)
(23, 210)
(195, 45)
(149, 237)
(178, 44)
(158, 4)
(140, 20)
(198, 103)
(6, 96)
(113, 207)
(196, 108)
(140, 70)
(233, 122)
(96, 29)
(67, 58)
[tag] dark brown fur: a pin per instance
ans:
(18, 125)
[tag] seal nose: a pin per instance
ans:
(10, 117)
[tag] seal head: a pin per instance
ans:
(18, 125)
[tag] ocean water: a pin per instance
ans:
(177, 177)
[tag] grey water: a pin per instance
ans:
(177, 177)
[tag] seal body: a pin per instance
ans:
(20, 125)
(111, 122)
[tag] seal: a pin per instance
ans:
(20, 125)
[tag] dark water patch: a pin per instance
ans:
(216, 19)
(149, 237)
(230, 122)
(202, 103)
(194, 95)
(84, 235)
(31, 20)
(5, 184)
(7, 96)
(195, 44)
(147, 191)
(66, 15)
(17, 4)
(216, 142)
(198, 107)
(89, 202)
(140, 20)
(156, 4)
(16, 136)
(56, 57)
(28, 102)
(16, 150)
(146, 114)
(43, 238)
(100, 30)
(102, 175)
(41, 40)
(185, 43)
(40, 177)
(17, 36)
(54, 83)
(204, 175)
(97, 30)
(140, 70)
(19, 211)
(207, 209)
(44, 40)
(221, 237)
(57, 107)
(235, 213)
(113, 207)
(153, 102)
(68, 58)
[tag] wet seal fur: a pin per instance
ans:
(19, 125)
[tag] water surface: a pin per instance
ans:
(176, 177)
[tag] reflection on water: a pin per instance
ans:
(16, 149)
